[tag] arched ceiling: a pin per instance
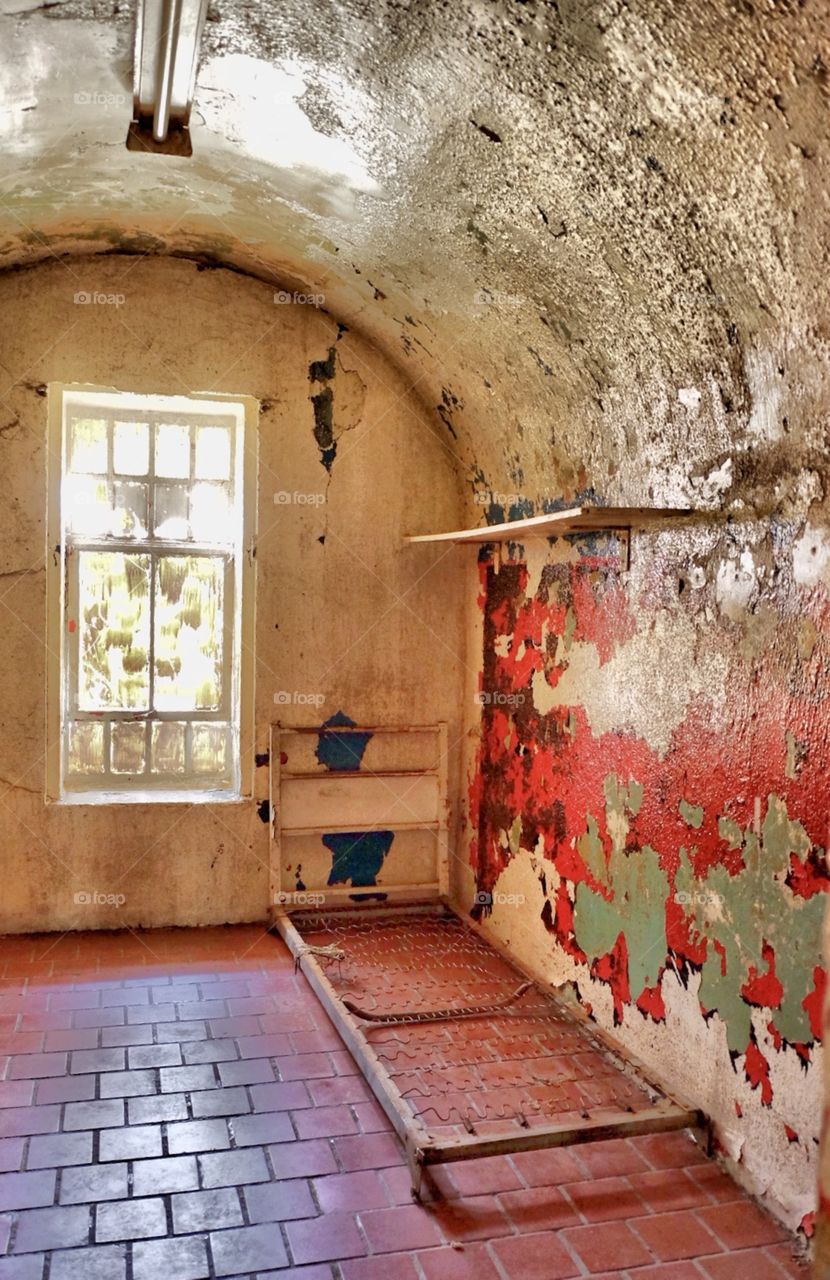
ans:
(595, 235)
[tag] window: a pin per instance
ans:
(153, 548)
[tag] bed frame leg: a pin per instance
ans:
(415, 1161)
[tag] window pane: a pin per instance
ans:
(86, 504)
(129, 517)
(209, 751)
(114, 631)
(171, 511)
(211, 519)
(131, 448)
(89, 445)
(172, 451)
(127, 747)
(86, 747)
(189, 633)
(213, 453)
(167, 747)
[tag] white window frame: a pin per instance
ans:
(62, 557)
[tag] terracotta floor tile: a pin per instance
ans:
(741, 1229)
(291, 1096)
(478, 1218)
(130, 1220)
(156, 1108)
(362, 1189)
(611, 1159)
(535, 1257)
(206, 1210)
(220, 1102)
(165, 1175)
(106, 1262)
(472, 1262)
(196, 1052)
(26, 1266)
(242, 1250)
(671, 1271)
(664, 1190)
(21, 1121)
(749, 1264)
(280, 1201)
(54, 1150)
(64, 1089)
(671, 1236)
(368, 1150)
(27, 1190)
(127, 1084)
(264, 1046)
(303, 1159)
(603, 1199)
(16, 1093)
(333, 1236)
(268, 1126)
(11, 1154)
(57, 1228)
(305, 1066)
(35, 1066)
(90, 1182)
(397, 1266)
(538, 1209)
(107, 1114)
(607, 1245)
(233, 1168)
(197, 1135)
(325, 1122)
(669, 1150)
(134, 1143)
(480, 1177)
(183, 1259)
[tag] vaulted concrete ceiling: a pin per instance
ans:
(594, 234)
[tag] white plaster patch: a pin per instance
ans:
(255, 104)
(766, 388)
(689, 397)
(811, 557)
(645, 687)
(735, 585)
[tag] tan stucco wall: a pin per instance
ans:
(359, 619)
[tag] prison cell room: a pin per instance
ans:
(415, 599)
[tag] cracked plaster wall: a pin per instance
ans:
(342, 613)
(595, 238)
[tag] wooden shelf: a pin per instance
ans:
(556, 523)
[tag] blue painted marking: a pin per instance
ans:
(341, 751)
(357, 856)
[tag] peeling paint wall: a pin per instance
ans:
(649, 807)
(345, 616)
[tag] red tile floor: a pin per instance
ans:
(176, 1104)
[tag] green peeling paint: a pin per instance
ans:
(637, 887)
(691, 813)
(742, 912)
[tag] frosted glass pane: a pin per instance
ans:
(213, 453)
(127, 748)
(211, 518)
(189, 633)
(209, 750)
(86, 505)
(89, 445)
(171, 511)
(131, 448)
(167, 747)
(86, 747)
(173, 451)
(114, 631)
(129, 517)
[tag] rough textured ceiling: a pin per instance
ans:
(594, 233)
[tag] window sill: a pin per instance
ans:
(100, 798)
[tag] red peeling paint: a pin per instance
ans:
(763, 989)
(550, 772)
(756, 1069)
